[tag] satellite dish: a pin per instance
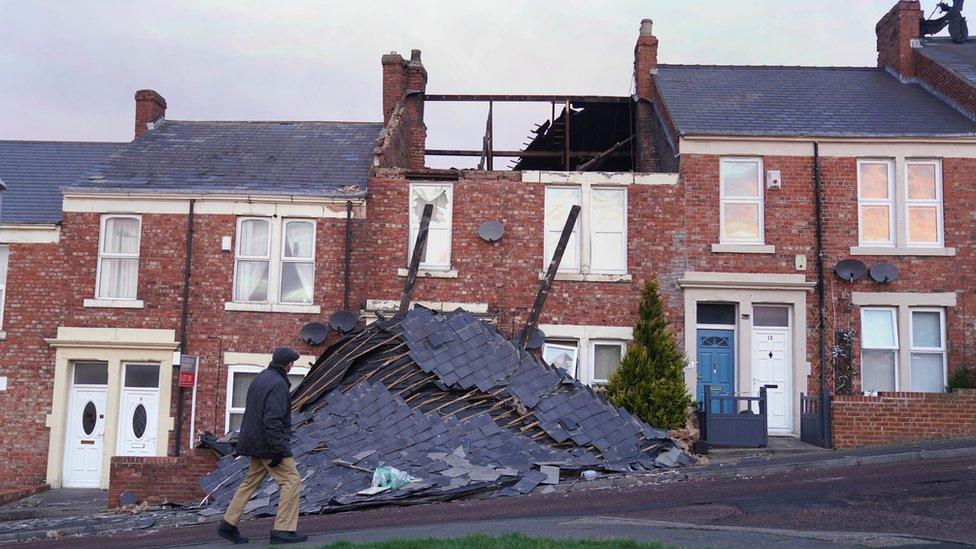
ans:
(314, 333)
(851, 270)
(884, 272)
(343, 321)
(536, 338)
(491, 231)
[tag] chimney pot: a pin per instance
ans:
(646, 27)
(415, 55)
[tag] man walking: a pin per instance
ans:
(265, 437)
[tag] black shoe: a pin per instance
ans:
(280, 537)
(230, 533)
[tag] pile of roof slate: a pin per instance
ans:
(447, 399)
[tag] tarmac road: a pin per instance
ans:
(928, 499)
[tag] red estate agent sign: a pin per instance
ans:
(188, 370)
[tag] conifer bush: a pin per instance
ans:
(649, 382)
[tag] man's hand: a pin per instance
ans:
(276, 460)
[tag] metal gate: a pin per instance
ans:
(730, 420)
(814, 426)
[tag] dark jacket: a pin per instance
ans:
(266, 427)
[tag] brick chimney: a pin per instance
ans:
(645, 64)
(150, 107)
(406, 82)
(896, 32)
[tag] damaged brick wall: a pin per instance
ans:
(901, 417)
(160, 479)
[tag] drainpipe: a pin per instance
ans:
(345, 273)
(821, 302)
(184, 317)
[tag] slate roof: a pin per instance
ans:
(269, 158)
(35, 171)
(803, 101)
(959, 58)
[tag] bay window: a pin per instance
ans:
(928, 350)
(741, 195)
(118, 257)
(275, 261)
(879, 349)
(437, 255)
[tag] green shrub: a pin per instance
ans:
(963, 377)
(649, 382)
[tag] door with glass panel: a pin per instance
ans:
(138, 410)
(85, 427)
(772, 364)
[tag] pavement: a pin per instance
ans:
(912, 494)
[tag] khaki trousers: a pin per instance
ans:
(289, 489)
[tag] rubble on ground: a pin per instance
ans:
(448, 400)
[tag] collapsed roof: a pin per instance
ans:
(447, 399)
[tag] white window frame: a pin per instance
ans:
(592, 359)
(413, 225)
(937, 202)
(897, 346)
(304, 260)
(890, 202)
(585, 230)
(107, 255)
(912, 348)
(760, 201)
(275, 258)
(565, 345)
(5, 255)
(246, 369)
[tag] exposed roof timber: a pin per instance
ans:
(528, 98)
(524, 154)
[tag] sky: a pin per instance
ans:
(69, 69)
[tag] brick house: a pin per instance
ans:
(222, 239)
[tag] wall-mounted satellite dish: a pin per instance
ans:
(343, 321)
(536, 338)
(491, 231)
(314, 333)
(884, 272)
(851, 270)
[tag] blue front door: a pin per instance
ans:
(716, 361)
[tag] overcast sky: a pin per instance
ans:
(68, 69)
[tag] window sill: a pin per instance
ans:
(743, 248)
(891, 250)
(272, 308)
(429, 273)
(591, 277)
(115, 303)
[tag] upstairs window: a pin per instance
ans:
(741, 196)
(437, 255)
(118, 257)
(875, 192)
(923, 203)
(4, 262)
(602, 249)
(275, 261)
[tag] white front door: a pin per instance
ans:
(85, 433)
(138, 410)
(772, 365)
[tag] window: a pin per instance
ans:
(741, 194)
(603, 221)
(239, 378)
(143, 376)
(118, 258)
(437, 256)
(879, 350)
(720, 314)
(4, 261)
(923, 202)
(875, 192)
(771, 316)
(272, 268)
(562, 354)
(928, 350)
(605, 357)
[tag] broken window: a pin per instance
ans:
(603, 221)
(438, 252)
(605, 357)
(4, 261)
(562, 354)
(876, 218)
(271, 268)
(239, 378)
(741, 194)
(879, 349)
(118, 257)
(928, 350)
(923, 202)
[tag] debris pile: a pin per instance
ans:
(450, 402)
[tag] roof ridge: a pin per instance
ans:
(62, 142)
(810, 67)
(363, 122)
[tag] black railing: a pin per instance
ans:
(729, 420)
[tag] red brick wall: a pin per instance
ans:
(959, 92)
(902, 417)
(894, 34)
(160, 479)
